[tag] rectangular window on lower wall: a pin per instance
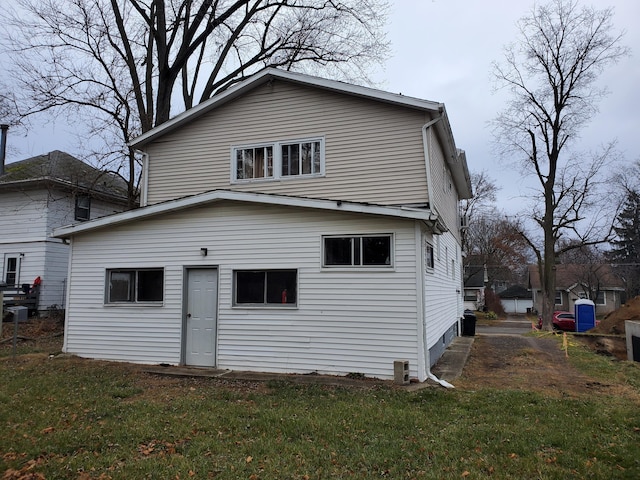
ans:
(358, 251)
(265, 287)
(135, 285)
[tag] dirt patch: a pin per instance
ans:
(613, 323)
(528, 363)
(611, 346)
(43, 333)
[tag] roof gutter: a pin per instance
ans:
(426, 143)
(3, 145)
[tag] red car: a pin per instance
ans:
(564, 321)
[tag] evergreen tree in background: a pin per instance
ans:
(625, 251)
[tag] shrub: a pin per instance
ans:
(493, 302)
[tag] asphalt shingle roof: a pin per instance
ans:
(66, 170)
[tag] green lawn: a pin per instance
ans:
(80, 419)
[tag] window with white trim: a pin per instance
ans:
(357, 251)
(558, 300)
(601, 298)
(428, 253)
(11, 269)
(83, 208)
(265, 287)
(135, 285)
(278, 160)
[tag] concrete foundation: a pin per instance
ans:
(632, 329)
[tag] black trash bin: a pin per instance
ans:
(468, 324)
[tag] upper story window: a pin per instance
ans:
(254, 162)
(277, 160)
(83, 207)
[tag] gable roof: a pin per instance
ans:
(215, 196)
(456, 158)
(475, 276)
(569, 276)
(516, 291)
(65, 171)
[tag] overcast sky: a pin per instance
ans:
(442, 51)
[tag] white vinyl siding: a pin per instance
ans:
(442, 290)
(27, 219)
(444, 196)
(345, 321)
(369, 146)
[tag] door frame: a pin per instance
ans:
(185, 300)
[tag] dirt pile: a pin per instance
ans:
(613, 323)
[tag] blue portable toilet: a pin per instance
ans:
(585, 313)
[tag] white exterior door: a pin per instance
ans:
(201, 313)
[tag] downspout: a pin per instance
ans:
(3, 146)
(427, 163)
(426, 143)
(145, 178)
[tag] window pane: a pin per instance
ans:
(250, 287)
(376, 250)
(269, 161)
(306, 158)
(247, 160)
(121, 286)
(83, 207)
(259, 163)
(290, 159)
(150, 285)
(338, 251)
(239, 165)
(316, 157)
(11, 270)
(429, 255)
(285, 160)
(281, 286)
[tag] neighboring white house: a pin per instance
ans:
(289, 224)
(37, 195)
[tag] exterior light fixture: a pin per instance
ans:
(204, 252)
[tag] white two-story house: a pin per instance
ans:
(290, 224)
(37, 195)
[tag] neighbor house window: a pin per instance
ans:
(558, 300)
(266, 287)
(357, 251)
(600, 299)
(11, 269)
(83, 207)
(135, 286)
(276, 160)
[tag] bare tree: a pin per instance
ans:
(496, 245)
(125, 66)
(480, 204)
(551, 73)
